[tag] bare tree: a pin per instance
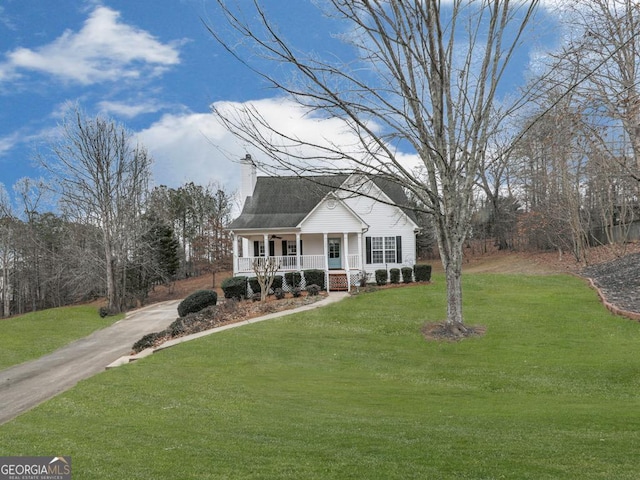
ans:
(8, 228)
(605, 49)
(426, 79)
(102, 178)
(265, 270)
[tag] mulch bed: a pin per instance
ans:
(619, 282)
(225, 313)
(442, 332)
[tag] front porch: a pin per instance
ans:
(337, 254)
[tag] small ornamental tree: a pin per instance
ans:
(265, 270)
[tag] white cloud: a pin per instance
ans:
(187, 148)
(128, 110)
(311, 138)
(104, 49)
(8, 142)
(195, 147)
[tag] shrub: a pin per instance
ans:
(255, 286)
(176, 328)
(147, 341)
(279, 293)
(422, 273)
(197, 301)
(296, 291)
(277, 283)
(394, 275)
(313, 289)
(407, 273)
(314, 277)
(381, 277)
(235, 287)
(103, 312)
(293, 279)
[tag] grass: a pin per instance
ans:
(352, 391)
(35, 334)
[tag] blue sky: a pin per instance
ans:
(148, 64)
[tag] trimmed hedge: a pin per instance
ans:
(314, 277)
(381, 276)
(197, 301)
(407, 274)
(313, 290)
(277, 283)
(235, 287)
(394, 275)
(422, 273)
(255, 285)
(293, 279)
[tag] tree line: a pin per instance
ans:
(569, 177)
(109, 235)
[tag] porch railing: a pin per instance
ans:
(354, 261)
(290, 263)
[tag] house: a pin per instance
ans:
(346, 225)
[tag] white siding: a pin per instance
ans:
(384, 221)
(331, 220)
(313, 245)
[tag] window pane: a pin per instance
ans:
(376, 256)
(390, 249)
(334, 248)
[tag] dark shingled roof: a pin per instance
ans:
(283, 202)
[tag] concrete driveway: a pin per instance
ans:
(26, 385)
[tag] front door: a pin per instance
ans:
(335, 257)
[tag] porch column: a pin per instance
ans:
(361, 256)
(325, 237)
(298, 256)
(345, 237)
(266, 245)
(234, 239)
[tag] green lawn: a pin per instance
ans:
(35, 334)
(352, 391)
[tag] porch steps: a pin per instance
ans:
(338, 282)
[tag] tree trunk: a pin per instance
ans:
(5, 289)
(453, 274)
(112, 301)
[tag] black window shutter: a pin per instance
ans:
(272, 248)
(256, 248)
(300, 247)
(285, 251)
(368, 256)
(399, 249)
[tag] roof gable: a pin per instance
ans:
(284, 202)
(328, 210)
